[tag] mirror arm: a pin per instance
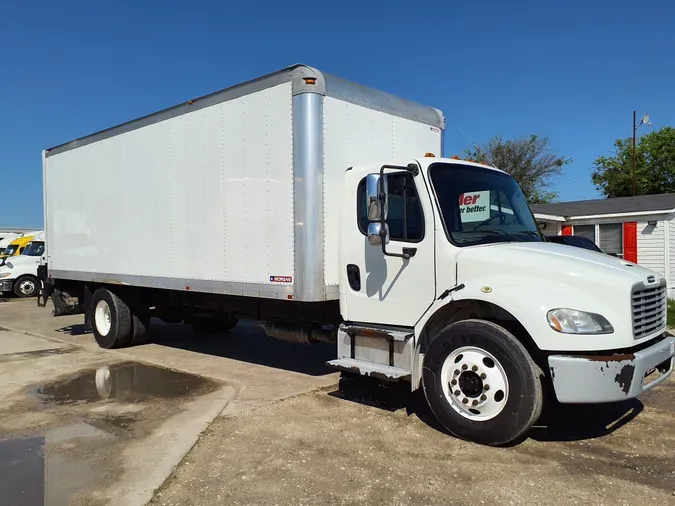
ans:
(408, 253)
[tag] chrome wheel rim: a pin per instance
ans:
(27, 287)
(475, 383)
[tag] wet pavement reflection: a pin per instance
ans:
(125, 382)
(22, 471)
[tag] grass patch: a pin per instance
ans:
(671, 313)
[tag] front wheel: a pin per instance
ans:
(26, 286)
(481, 384)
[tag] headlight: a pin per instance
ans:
(571, 321)
(5, 274)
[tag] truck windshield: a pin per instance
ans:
(35, 249)
(482, 206)
(11, 249)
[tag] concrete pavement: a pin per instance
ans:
(112, 425)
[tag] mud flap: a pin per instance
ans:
(45, 286)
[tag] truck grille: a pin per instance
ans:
(649, 310)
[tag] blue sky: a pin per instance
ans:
(574, 71)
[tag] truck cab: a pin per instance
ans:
(6, 241)
(16, 247)
(445, 257)
(18, 274)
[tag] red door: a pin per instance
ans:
(630, 252)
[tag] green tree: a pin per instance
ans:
(530, 161)
(654, 166)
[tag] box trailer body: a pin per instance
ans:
(325, 210)
(252, 175)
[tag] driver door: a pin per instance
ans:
(380, 289)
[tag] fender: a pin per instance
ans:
(466, 303)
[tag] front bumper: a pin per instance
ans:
(610, 378)
(6, 285)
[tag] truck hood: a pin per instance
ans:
(529, 279)
(558, 261)
(22, 260)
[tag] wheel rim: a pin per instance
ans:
(27, 287)
(102, 317)
(474, 383)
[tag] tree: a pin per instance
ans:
(530, 161)
(654, 166)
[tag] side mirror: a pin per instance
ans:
(376, 237)
(376, 197)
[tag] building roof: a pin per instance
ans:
(642, 204)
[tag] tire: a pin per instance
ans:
(111, 320)
(208, 326)
(140, 326)
(458, 368)
(26, 286)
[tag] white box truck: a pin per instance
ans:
(325, 210)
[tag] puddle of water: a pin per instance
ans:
(124, 383)
(22, 471)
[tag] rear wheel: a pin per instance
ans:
(140, 326)
(111, 320)
(26, 286)
(481, 384)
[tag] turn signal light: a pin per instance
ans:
(429, 155)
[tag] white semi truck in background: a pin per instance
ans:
(18, 274)
(326, 211)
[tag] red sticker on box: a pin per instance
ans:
(281, 279)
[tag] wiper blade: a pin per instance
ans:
(531, 233)
(500, 232)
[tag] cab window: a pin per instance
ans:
(405, 217)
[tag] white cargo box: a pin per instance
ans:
(237, 192)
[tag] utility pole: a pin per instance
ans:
(634, 132)
(643, 121)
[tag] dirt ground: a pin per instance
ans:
(362, 445)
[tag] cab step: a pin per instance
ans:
(378, 371)
(369, 331)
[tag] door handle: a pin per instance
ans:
(354, 277)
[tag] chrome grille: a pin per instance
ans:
(649, 310)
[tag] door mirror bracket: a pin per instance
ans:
(377, 203)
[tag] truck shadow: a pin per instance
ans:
(250, 344)
(245, 343)
(582, 422)
(558, 423)
(79, 329)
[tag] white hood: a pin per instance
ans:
(529, 279)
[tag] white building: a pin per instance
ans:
(640, 229)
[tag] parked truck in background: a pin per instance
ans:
(18, 274)
(6, 241)
(329, 214)
(17, 246)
